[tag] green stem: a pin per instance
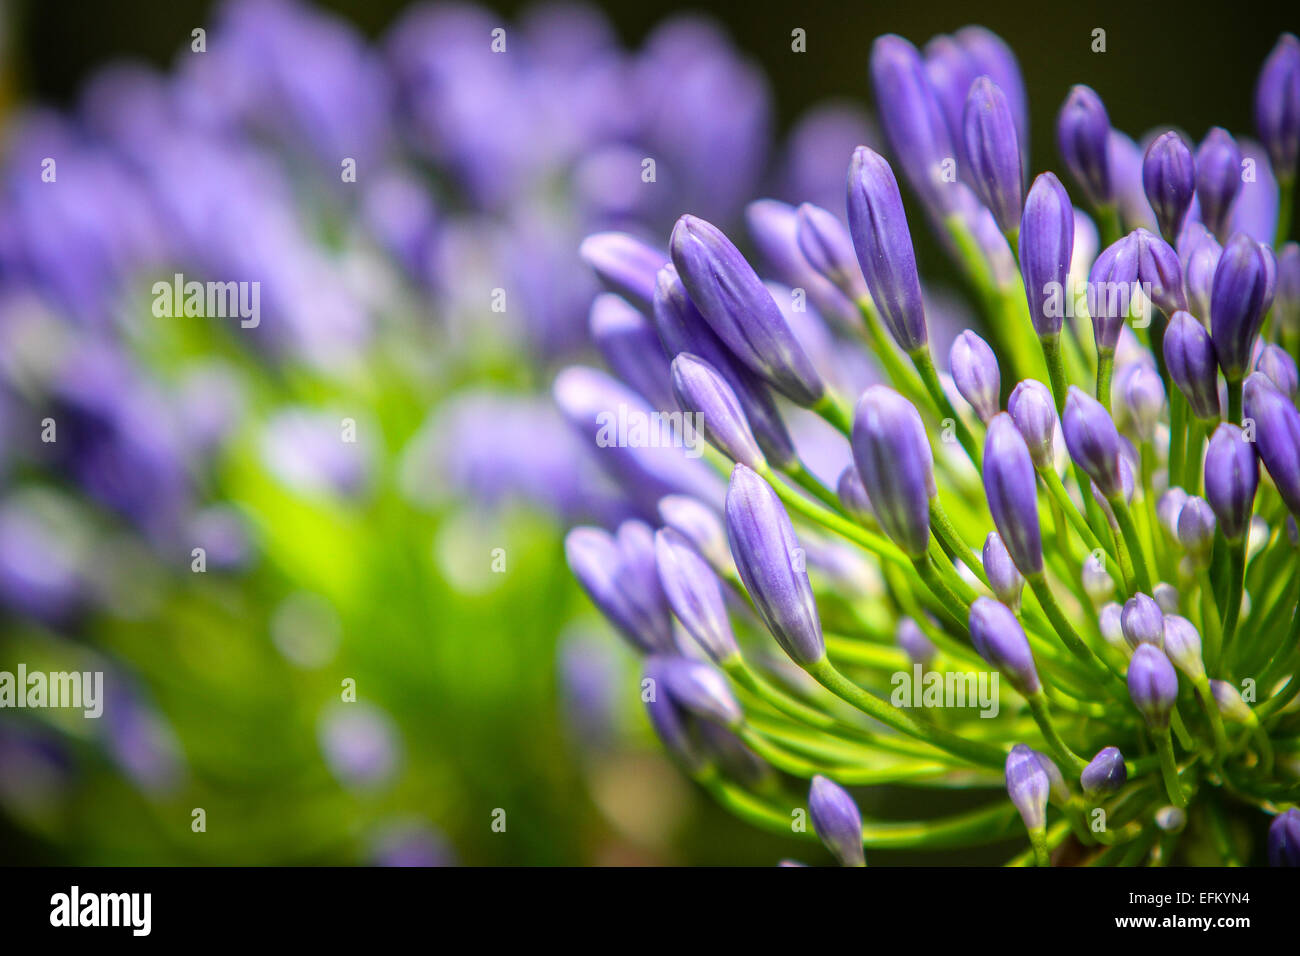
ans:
(1124, 518)
(1061, 624)
(1169, 768)
(829, 408)
(903, 378)
(806, 480)
(1209, 621)
(946, 533)
(1038, 838)
(924, 365)
(1236, 576)
(1105, 367)
(1043, 717)
(1234, 401)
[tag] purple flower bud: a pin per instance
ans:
(1097, 583)
(694, 594)
(683, 329)
(1277, 105)
(1092, 441)
(1284, 839)
(697, 523)
(774, 226)
(1012, 490)
(894, 461)
(1277, 435)
(1111, 286)
(625, 265)
(1005, 579)
(1057, 790)
(697, 688)
(595, 559)
(1280, 368)
(993, 152)
(1032, 408)
(630, 346)
(1144, 396)
(1169, 179)
(1168, 507)
(1125, 157)
(992, 57)
(1231, 479)
(1153, 685)
(1230, 704)
(1286, 300)
(1028, 786)
(853, 496)
(1046, 248)
(1110, 622)
(1196, 527)
(1201, 260)
(740, 309)
(771, 565)
(1193, 365)
(825, 243)
(1240, 295)
(1000, 640)
(1082, 135)
(837, 821)
(912, 120)
(884, 247)
(974, 370)
(1105, 773)
(1218, 179)
(1183, 646)
(1167, 597)
(913, 641)
(701, 391)
(1159, 272)
(1142, 621)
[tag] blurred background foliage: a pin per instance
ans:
(475, 690)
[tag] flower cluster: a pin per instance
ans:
(1104, 521)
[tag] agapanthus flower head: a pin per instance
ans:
(993, 152)
(1012, 490)
(1284, 839)
(1218, 180)
(739, 308)
(701, 390)
(1196, 527)
(1000, 640)
(1093, 441)
(625, 265)
(1242, 291)
(1105, 773)
(1082, 136)
(696, 687)
(1169, 179)
(826, 245)
(1193, 364)
(1280, 368)
(1277, 435)
(1046, 246)
(1231, 479)
(974, 369)
(682, 329)
(1033, 409)
(910, 637)
(1183, 646)
(1005, 580)
(1028, 786)
(896, 465)
(1277, 106)
(911, 118)
(837, 821)
(883, 243)
(771, 565)
(694, 593)
(1143, 621)
(1096, 580)
(1152, 684)
(1112, 285)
